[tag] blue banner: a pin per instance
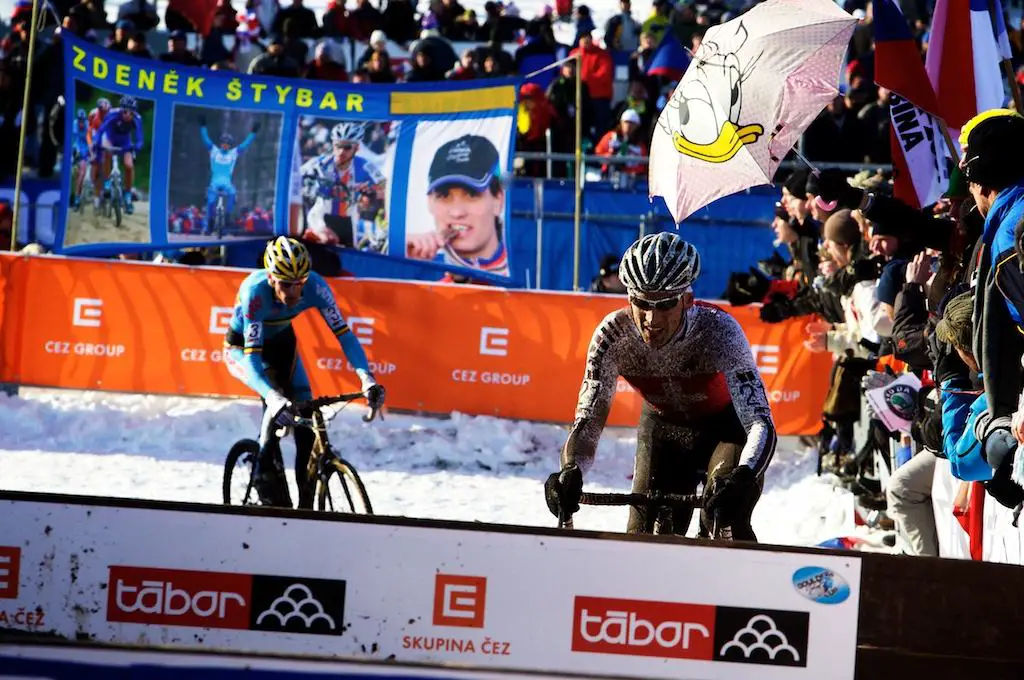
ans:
(162, 156)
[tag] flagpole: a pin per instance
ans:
(24, 122)
(1005, 63)
(579, 171)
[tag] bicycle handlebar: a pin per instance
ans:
(649, 499)
(320, 402)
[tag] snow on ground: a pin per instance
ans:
(463, 468)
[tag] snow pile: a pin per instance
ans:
(463, 468)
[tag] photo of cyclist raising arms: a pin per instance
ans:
(223, 173)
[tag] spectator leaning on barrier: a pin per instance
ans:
(625, 140)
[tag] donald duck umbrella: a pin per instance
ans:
(752, 88)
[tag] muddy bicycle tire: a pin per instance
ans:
(351, 484)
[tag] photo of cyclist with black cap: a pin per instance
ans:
(466, 201)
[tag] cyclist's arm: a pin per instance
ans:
(596, 394)
(749, 397)
(100, 131)
(252, 332)
(138, 132)
(207, 142)
(328, 309)
(246, 142)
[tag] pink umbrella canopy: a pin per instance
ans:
(754, 85)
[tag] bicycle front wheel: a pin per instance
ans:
(238, 473)
(341, 490)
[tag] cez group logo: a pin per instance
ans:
(208, 599)
(677, 630)
(820, 584)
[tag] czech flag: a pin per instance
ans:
(670, 59)
(963, 59)
(898, 63)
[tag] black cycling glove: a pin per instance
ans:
(563, 490)
(729, 494)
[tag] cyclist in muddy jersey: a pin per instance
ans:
(705, 414)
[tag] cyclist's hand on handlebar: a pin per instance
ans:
(374, 396)
(563, 490)
(730, 493)
(282, 410)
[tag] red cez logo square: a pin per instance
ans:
(175, 597)
(10, 570)
(668, 630)
(459, 600)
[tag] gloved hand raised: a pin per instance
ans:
(563, 490)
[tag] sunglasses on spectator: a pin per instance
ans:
(662, 305)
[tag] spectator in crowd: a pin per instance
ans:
(399, 21)
(378, 43)
(637, 99)
(324, 65)
(607, 279)
(336, 22)
(178, 52)
(89, 15)
(536, 116)
(213, 50)
(303, 21)
(447, 13)
(466, 27)
(137, 47)
(622, 32)
(562, 95)
(624, 140)
(364, 20)
(379, 69)
(659, 21)
(6, 226)
(465, 69)
(118, 40)
(276, 62)
(141, 14)
(598, 72)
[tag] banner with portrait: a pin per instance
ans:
(159, 157)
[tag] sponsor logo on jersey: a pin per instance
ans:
(207, 599)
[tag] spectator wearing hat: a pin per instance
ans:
(534, 120)
(276, 61)
(178, 52)
(118, 40)
(637, 99)
(607, 279)
(993, 144)
(659, 21)
(624, 140)
(378, 43)
(89, 15)
(324, 66)
(141, 13)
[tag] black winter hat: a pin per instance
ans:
(994, 149)
(831, 185)
(796, 184)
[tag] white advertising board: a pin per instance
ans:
(388, 590)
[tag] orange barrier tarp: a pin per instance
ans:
(437, 348)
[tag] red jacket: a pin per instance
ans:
(598, 71)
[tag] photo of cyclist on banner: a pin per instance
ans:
(463, 189)
(223, 174)
(343, 182)
(110, 149)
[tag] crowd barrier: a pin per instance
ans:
(438, 348)
(191, 576)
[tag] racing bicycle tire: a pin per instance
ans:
(350, 481)
(115, 201)
(240, 448)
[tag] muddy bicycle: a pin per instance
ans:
(337, 485)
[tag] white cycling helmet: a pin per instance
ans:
(659, 263)
(348, 132)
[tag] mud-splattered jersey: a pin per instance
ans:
(702, 371)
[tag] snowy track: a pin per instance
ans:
(463, 468)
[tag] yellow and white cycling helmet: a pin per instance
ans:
(287, 259)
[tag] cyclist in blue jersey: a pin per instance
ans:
(121, 130)
(333, 184)
(79, 154)
(223, 157)
(260, 350)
